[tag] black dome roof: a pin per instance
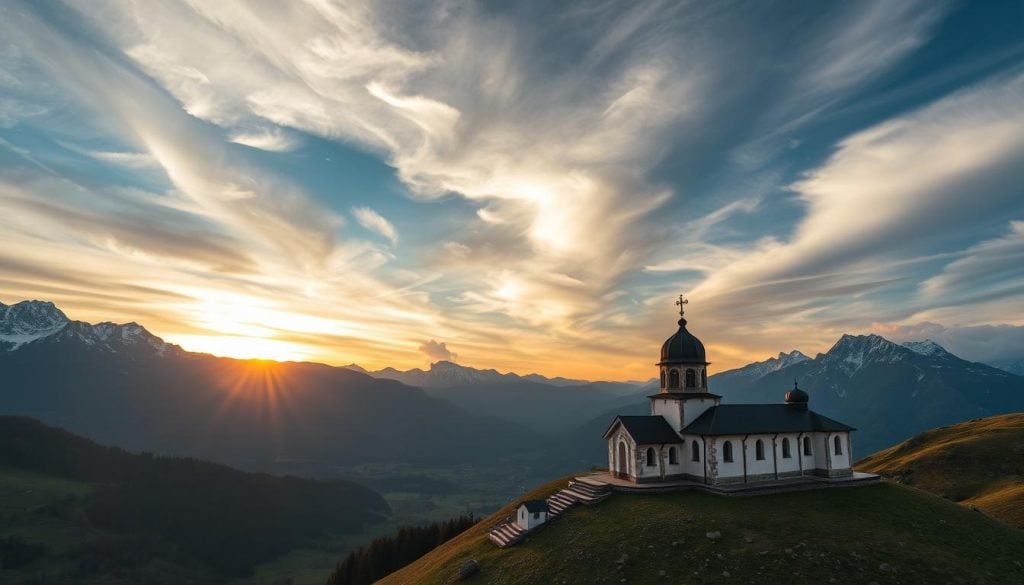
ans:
(682, 348)
(797, 396)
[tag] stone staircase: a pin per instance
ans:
(506, 534)
(580, 491)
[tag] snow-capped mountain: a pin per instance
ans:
(758, 369)
(888, 390)
(33, 323)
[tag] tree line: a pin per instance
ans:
(387, 554)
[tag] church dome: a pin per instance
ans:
(682, 348)
(797, 397)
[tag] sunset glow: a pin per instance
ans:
(341, 182)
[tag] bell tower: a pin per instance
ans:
(684, 378)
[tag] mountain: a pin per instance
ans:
(121, 385)
(1013, 366)
(75, 511)
(883, 533)
(887, 390)
(758, 369)
(543, 404)
(977, 463)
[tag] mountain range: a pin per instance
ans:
(544, 404)
(121, 385)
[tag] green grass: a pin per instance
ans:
(882, 533)
(977, 463)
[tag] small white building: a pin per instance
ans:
(691, 435)
(531, 513)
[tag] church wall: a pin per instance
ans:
(694, 408)
(691, 468)
(790, 466)
(671, 410)
(726, 469)
(620, 436)
(760, 469)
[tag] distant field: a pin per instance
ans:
(887, 534)
(977, 463)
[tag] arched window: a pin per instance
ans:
(785, 448)
(727, 451)
(673, 379)
(663, 378)
(759, 450)
(839, 445)
(807, 446)
(651, 462)
(673, 456)
(703, 378)
(691, 378)
(694, 451)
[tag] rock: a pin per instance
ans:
(714, 535)
(885, 567)
(661, 573)
(726, 574)
(468, 569)
(748, 540)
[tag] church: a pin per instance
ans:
(691, 435)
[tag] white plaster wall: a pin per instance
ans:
(677, 468)
(669, 409)
(734, 469)
(793, 462)
(526, 521)
(840, 461)
(809, 461)
(694, 408)
(755, 466)
(695, 468)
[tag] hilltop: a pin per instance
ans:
(987, 455)
(883, 533)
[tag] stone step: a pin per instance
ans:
(584, 498)
(506, 534)
(589, 489)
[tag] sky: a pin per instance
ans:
(521, 186)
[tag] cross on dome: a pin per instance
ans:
(681, 304)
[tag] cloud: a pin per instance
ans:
(376, 223)
(269, 139)
(887, 192)
(437, 351)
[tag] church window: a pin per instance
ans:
(673, 379)
(650, 457)
(839, 446)
(695, 451)
(691, 378)
(759, 450)
(727, 451)
(673, 456)
(807, 446)
(703, 378)
(785, 448)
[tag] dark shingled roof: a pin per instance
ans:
(535, 506)
(742, 419)
(647, 430)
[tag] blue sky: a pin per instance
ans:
(529, 185)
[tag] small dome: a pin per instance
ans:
(682, 348)
(797, 396)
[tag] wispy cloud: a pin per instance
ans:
(377, 223)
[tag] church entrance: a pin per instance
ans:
(621, 463)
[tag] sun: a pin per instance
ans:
(241, 347)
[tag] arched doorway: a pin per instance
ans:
(622, 465)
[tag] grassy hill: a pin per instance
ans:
(978, 463)
(883, 533)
